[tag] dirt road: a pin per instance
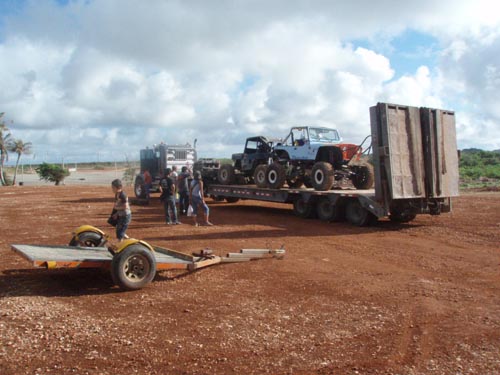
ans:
(421, 298)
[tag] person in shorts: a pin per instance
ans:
(197, 200)
(122, 208)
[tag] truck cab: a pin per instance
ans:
(160, 157)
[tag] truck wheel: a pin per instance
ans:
(232, 199)
(295, 183)
(259, 176)
(226, 174)
(139, 188)
(275, 176)
(322, 176)
(363, 177)
(87, 239)
(134, 267)
(303, 209)
(358, 215)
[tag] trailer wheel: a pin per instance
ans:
(87, 239)
(330, 212)
(275, 176)
(303, 209)
(226, 174)
(259, 176)
(402, 217)
(134, 267)
(232, 199)
(363, 176)
(358, 215)
(322, 176)
(139, 188)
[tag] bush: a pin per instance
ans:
(128, 176)
(52, 172)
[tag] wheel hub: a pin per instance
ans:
(136, 268)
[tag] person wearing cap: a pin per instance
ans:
(197, 199)
(168, 191)
(121, 209)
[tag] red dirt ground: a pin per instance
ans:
(419, 298)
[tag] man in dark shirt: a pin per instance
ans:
(168, 190)
(183, 189)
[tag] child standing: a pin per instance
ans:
(122, 207)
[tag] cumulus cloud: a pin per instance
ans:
(120, 75)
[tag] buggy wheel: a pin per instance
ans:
(226, 174)
(275, 176)
(358, 215)
(295, 183)
(259, 176)
(134, 267)
(322, 176)
(87, 239)
(303, 209)
(363, 177)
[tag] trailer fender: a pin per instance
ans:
(129, 242)
(372, 206)
(88, 228)
(81, 236)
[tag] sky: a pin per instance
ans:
(96, 80)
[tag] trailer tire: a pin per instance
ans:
(275, 176)
(232, 199)
(303, 209)
(139, 188)
(134, 267)
(259, 176)
(226, 175)
(357, 215)
(327, 211)
(363, 177)
(87, 239)
(402, 217)
(322, 176)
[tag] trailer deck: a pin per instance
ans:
(53, 256)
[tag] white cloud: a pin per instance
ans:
(120, 75)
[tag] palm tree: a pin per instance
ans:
(5, 142)
(20, 148)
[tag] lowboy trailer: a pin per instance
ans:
(415, 160)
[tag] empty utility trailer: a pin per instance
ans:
(415, 160)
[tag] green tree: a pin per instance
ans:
(5, 142)
(52, 172)
(20, 148)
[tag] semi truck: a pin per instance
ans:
(415, 161)
(159, 157)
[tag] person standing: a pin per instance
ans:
(197, 199)
(148, 181)
(168, 191)
(183, 189)
(122, 207)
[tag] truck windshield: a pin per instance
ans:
(323, 135)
